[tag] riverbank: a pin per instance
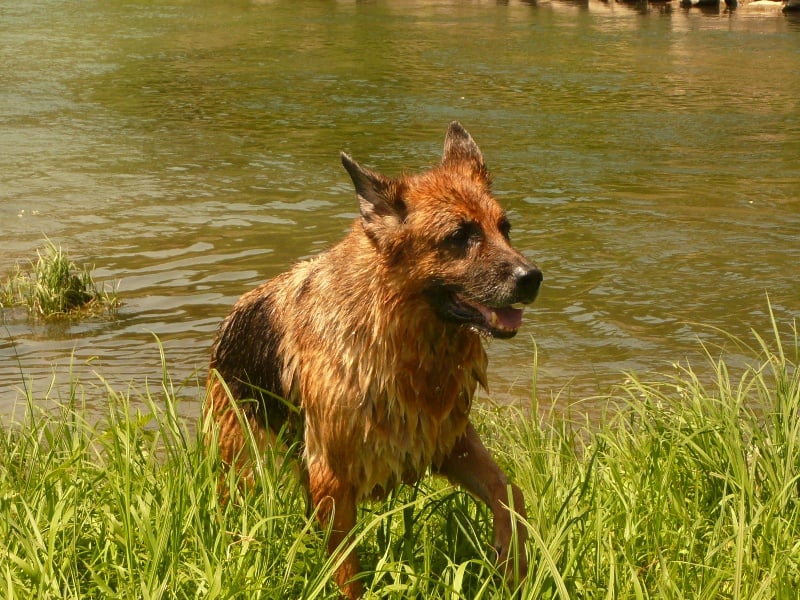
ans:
(708, 7)
(687, 489)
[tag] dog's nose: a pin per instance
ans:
(529, 280)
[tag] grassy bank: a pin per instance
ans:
(687, 490)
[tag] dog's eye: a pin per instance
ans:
(464, 235)
(505, 228)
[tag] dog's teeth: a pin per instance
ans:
(495, 320)
(518, 306)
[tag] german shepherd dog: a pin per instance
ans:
(370, 353)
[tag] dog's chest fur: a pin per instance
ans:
(402, 381)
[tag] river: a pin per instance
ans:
(648, 155)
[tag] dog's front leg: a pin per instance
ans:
(335, 504)
(471, 466)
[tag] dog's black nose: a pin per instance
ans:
(529, 280)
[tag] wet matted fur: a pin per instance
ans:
(371, 352)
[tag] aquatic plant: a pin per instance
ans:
(55, 287)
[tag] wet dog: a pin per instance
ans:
(371, 352)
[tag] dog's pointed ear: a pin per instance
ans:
(460, 148)
(378, 197)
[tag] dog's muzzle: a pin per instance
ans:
(499, 319)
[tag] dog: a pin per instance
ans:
(370, 353)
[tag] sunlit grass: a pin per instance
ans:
(690, 488)
(55, 287)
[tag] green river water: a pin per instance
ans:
(649, 157)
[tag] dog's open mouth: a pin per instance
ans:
(497, 321)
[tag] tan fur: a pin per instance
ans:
(376, 346)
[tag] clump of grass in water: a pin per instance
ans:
(689, 490)
(56, 287)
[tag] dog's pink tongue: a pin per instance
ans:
(507, 317)
(510, 318)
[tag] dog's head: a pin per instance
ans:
(442, 234)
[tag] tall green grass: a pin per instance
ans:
(688, 489)
(691, 490)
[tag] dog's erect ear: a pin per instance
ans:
(459, 147)
(381, 206)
